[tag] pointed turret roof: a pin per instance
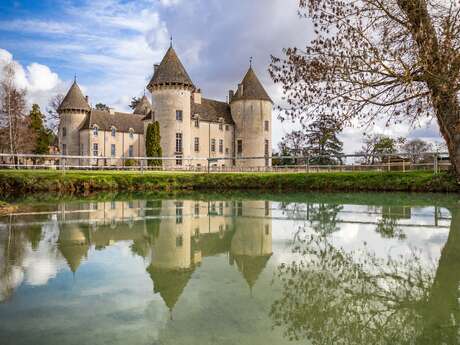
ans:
(251, 266)
(144, 107)
(170, 71)
(74, 100)
(252, 88)
(169, 283)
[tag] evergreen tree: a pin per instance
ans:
(134, 102)
(323, 144)
(152, 143)
(42, 135)
(102, 107)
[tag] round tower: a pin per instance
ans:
(73, 112)
(251, 109)
(171, 89)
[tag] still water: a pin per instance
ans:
(232, 269)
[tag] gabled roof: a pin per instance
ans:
(74, 100)
(211, 110)
(170, 71)
(143, 107)
(121, 121)
(252, 89)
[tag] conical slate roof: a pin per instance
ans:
(143, 107)
(74, 100)
(169, 283)
(170, 71)
(252, 89)
(251, 266)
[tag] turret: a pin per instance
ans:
(251, 109)
(171, 89)
(73, 111)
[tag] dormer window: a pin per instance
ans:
(95, 130)
(114, 131)
(131, 133)
(221, 123)
(197, 121)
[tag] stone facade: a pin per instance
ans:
(193, 129)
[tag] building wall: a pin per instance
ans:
(166, 101)
(249, 117)
(72, 121)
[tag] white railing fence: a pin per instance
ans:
(432, 161)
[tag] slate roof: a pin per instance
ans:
(211, 110)
(144, 107)
(252, 89)
(74, 100)
(170, 71)
(121, 121)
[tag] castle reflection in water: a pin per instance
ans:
(173, 236)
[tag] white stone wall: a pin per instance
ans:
(72, 121)
(165, 102)
(249, 117)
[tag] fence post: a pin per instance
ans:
(63, 164)
(308, 163)
(209, 163)
(435, 163)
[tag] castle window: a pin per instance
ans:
(197, 209)
(197, 121)
(196, 144)
(178, 160)
(227, 150)
(131, 151)
(266, 126)
(113, 150)
(114, 132)
(179, 142)
(131, 133)
(221, 126)
(221, 146)
(95, 131)
(64, 131)
(179, 115)
(239, 144)
(64, 149)
(213, 145)
(227, 128)
(95, 150)
(267, 208)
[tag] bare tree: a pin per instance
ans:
(13, 115)
(53, 118)
(373, 59)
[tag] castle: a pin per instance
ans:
(193, 129)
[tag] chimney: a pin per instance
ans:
(112, 111)
(197, 96)
(240, 89)
(155, 67)
(87, 99)
(230, 95)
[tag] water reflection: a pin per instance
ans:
(349, 269)
(331, 295)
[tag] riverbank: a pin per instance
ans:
(81, 182)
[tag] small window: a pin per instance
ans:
(239, 144)
(131, 151)
(267, 208)
(179, 115)
(197, 122)
(114, 132)
(266, 126)
(113, 150)
(197, 209)
(179, 213)
(64, 131)
(267, 147)
(178, 160)
(95, 150)
(227, 150)
(196, 144)
(64, 149)
(221, 127)
(95, 131)
(213, 145)
(179, 142)
(221, 146)
(227, 128)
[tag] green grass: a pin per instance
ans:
(77, 182)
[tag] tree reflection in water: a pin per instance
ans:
(330, 296)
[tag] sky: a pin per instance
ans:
(112, 45)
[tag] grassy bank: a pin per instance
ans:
(30, 181)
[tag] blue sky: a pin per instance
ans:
(112, 45)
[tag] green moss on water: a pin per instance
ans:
(77, 182)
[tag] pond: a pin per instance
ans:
(231, 269)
